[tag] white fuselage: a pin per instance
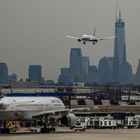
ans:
(24, 108)
(89, 38)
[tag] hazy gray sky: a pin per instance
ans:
(33, 32)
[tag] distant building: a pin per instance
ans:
(85, 67)
(50, 83)
(92, 76)
(76, 64)
(120, 45)
(119, 49)
(24, 84)
(65, 77)
(13, 77)
(105, 70)
(125, 73)
(3, 73)
(35, 73)
(78, 70)
(138, 74)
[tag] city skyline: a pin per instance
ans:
(32, 33)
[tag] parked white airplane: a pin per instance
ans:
(29, 108)
(90, 38)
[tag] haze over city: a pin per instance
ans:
(33, 32)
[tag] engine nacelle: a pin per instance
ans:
(68, 120)
(79, 40)
(95, 40)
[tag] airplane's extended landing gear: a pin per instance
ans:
(84, 42)
(48, 127)
(3, 129)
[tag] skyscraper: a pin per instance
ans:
(85, 66)
(105, 70)
(76, 64)
(78, 70)
(3, 73)
(35, 73)
(65, 77)
(92, 76)
(119, 46)
(125, 73)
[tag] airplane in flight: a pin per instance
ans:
(90, 38)
(34, 108)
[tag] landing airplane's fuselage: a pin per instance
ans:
(24, 108)
(88, 38)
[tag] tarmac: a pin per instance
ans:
(90, 134)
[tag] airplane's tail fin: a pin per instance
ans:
(94, 31)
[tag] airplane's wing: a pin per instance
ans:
(105, 38)
(56, 112)
(73, 37)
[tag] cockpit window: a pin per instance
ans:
(1, 96)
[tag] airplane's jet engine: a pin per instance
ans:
(79, 40)
(68, 120)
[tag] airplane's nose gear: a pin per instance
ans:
(48, 127)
